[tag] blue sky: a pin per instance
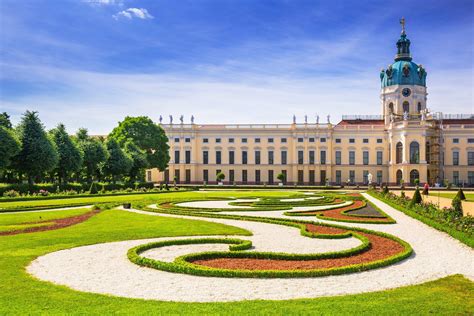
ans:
(89, 63)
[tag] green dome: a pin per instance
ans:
(403, 71)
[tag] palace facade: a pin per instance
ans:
(406, 142)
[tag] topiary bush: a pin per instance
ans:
(416, 197)
(461, 195)
(385, 190)
(457, 206)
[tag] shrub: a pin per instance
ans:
(220, 176)
(461, 195)
(416, 197)
(11, 193)
(385, 190)
(457, 206)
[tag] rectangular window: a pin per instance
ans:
(257, 140)
(231, 140)
(218, 157)
(338, 177)
(323, 157)
(285, 175)
(456, 177)
(470, 158)
(352, 156)
(338, 140)
(300, 157)
(187, 155)
(176, 156)
(379, 140)
(231, 176)
(455, 158)
(188, 176)
(351, 140)
(231, 157)
(379, 158)
(365, 175)
(148, 176)
(270, 157)
(283, 140)
(244, 176)
(257, 176)
(323, 139)
(352, 175)
(311, 139)
(176, 140)
(311, 157)
(244, 140)
(205, 175)
(283, 157)
(257, 157)
(176, 176)
(470, 177)
(218, 140)
(365, 140)
(300, 177)
(270, 177)
(167, 176)
(205, 157)
(300, 139)
(205, 140)
(187, 140)
(470, 140)
(270, 140)
(365, 157)
(379, 176)
(322, 177)
(244, 157)
(455, 140)
(312, 179)
(338, 157)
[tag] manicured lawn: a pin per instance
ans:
(22, 294)
(451, 195)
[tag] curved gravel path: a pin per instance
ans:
(105, 269)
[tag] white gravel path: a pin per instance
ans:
(104, 268)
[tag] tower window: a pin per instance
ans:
(390, 108)
(419, 107)
(406, 107)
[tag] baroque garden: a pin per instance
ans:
(219, 219)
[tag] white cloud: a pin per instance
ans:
(103, 2)
(131, 13)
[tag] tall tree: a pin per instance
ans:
(38, 153)
(9, 147)
(139, 160)
(5, 120)
(118, 163)
(148, 136)
(70, 156)
(94, 153)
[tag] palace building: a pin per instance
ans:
(406, 142)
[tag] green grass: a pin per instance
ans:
(451, 195)
(22, 294)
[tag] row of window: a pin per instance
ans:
(271, 178)
(458, 181)
(282, 140)
(470, 158)
(469, 140)
(283, 157)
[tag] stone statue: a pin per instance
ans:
(405, 116)
(392, 118)
(317, 119)
(294, 119)
(329, 119)
(171, 119)
(161, 119)
(423, 115)
(181, 119)
(306, 119)
(369, 178)
(192, 119)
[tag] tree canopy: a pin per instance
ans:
(118, 162)
(9, 147)
(94, 153)
(70, 156)
(5, 120)
(37, 153)
(147, 136)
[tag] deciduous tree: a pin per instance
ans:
(70, 156)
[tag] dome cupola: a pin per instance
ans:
(403, 71)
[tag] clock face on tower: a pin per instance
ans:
(406, 92)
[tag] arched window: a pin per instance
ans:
(419, 107)
(399, 176)
(406, 107)
(390, 108)
(414, 152)
(414, 175)
(399, 153)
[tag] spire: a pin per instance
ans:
(403, 44)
